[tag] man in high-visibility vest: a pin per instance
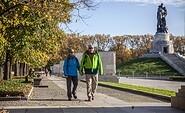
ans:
(91, 64)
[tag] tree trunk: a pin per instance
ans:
(27, 72)
(1, 68)
(1, 73)
(16, 72)
(7, 66)
(21, 69)
(24, 69)
(27, 69)
(10, 69)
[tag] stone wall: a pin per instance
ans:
(179, 100)
(61, 67)
(108, 60)
(55, 69)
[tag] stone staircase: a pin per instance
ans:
(175, 61)
(179, 100)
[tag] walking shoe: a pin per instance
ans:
(92, 98)
(75, 96)
(89, 99)
(69, 99)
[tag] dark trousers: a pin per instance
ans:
(74, 80)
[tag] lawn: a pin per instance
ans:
(140, 88)
(152, 66)
(14, 87)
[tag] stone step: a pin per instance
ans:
(178, 102)
(176, 62)
(183, 87)
(179, 62)
(181, 91)
(174, 102)
(172, 57)
(179, 59)
(170, 54)
(180, 95)
(180, 66)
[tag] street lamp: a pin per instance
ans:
(119, 71)
(184, 23)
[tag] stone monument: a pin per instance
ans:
(109, 66)
(162, 42)
(108, 61)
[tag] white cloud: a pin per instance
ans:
(171, 2)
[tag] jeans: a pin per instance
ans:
(74, 80)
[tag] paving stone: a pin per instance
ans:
(102, 103)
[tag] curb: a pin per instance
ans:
(153, 95)
(43, 86)
(149, 94)
(26, 97)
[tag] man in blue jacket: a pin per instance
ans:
(70, 68)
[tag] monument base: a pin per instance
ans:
(104, 78)
(151, 55)
(109, 78)
(162, 44)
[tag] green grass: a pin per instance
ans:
(14, 87)
(140, 88)
(183, 77)
(154, 66)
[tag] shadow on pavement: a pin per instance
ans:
(127, 109)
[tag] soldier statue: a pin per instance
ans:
(161, 19)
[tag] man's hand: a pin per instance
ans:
(64, 76)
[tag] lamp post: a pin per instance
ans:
(184, 23)
(119, 71)
(133, 72)
(146, 74)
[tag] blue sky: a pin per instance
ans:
(132, 17)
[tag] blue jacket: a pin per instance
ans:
(71, 66)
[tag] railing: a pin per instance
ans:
(146, 75)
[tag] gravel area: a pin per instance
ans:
(122, 95)
(43, 96)
(55, 96)
(52, 92)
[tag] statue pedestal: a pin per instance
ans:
(162, 44)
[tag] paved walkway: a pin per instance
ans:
(159, 84)
(101, 104)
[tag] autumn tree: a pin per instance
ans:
(118, 44)
(29, 30)
(71, 41)
(102, 41)
(178, 44)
